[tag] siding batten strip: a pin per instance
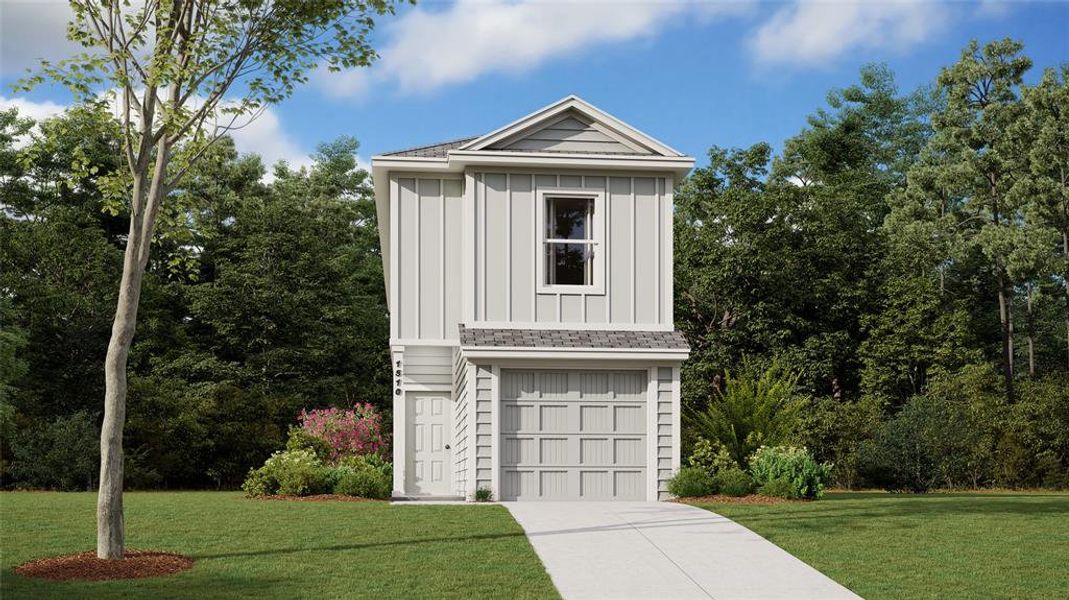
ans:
(634, 251)
(508, 246)
(441, 259)
(537, 248)
(658, 241)
(419, 257)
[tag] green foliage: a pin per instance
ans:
(366, 483)
(299, 439)
(772, 465)
(733, 482)
(691, 482)
(484, 494)
(60, 454)
(710, 456)
(289, 473)
(755, 408)
(834, 430)
(779, 488)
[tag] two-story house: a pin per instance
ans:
(529, 274)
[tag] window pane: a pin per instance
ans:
(569, 264)
(569, 218)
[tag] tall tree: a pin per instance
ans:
(1042, 135)
(982, 103)
(184, 73)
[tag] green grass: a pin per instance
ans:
(986, 545)
(270, 549)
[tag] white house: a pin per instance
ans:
(529, 274)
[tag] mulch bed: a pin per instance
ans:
(319, 498)
(85, 566)
(718, 499)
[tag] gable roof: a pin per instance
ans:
(568, 112)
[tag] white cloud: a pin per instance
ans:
(31, 30)
(29, 108)
(264, 135)
(427, 49)
(810, 33)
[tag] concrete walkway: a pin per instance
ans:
(662, 550)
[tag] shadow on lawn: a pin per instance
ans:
(344, 547)
(861, 506)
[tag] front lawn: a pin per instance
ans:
(986, 545)
(278, 549)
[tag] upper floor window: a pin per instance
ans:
(570, 241)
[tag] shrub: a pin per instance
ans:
(484, 494)
(733, 482)
(797, 466)
(691, 482)
(299, 439)
(349, 432)
(710, 456)
(289, 473)
(834, 429)
(61, 454)
(367, 483)
(755, 408)
(778, 488)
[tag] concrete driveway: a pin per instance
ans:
(662, 550)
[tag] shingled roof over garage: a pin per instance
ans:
(609, 339)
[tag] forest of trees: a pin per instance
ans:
(905, 255)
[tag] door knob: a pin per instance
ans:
(447, 446)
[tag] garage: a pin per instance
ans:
(573, 435)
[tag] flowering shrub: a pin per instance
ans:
(796, 466)
(348, 432)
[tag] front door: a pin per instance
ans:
(428, 470)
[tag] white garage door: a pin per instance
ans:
(569, 435)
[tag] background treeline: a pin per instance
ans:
(906, 256)
(903, 260)
(261, 299)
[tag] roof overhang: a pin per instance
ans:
(502, 353)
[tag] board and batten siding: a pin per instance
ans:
(637, 253)
(427, 242)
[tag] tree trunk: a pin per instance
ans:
(1006, 317)
(1065, 277)
(1031, 326)
(144, 207)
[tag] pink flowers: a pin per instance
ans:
(349, 432)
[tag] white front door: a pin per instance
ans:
(428, 470)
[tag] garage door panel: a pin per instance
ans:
(573, 435)
(629, 419)
(595, 418)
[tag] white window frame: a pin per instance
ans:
(597, 242)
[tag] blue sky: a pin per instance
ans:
(692, 74)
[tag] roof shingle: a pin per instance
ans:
(431, 151)
(571, 338)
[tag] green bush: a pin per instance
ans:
(289, 473)
(299, 439)
(61, 454)
(778, 488)
(711, 456)
(797, 466)
(733, 482)
(366, 483)
(691, 482)
(755, 408)
(484, 494)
